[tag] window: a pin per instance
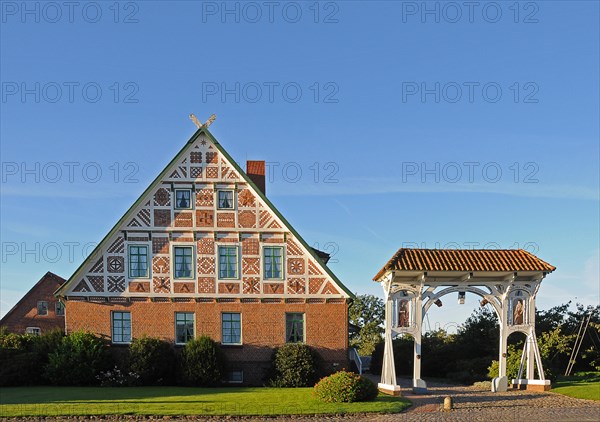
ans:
(183, 199)
(225, 199)
(273, 259)
(231, 326)
(121, 327)
(138, 261)
(183, 262)
(42, 307)
(184, 327)
(228, 262)
(235, 377)
(294, 328)
(59, 308)
(33, 330)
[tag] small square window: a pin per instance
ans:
(42, 308)
(59, 308)
(33, 331)
(184, 327)
(235, 377)
(184, 262)
(294, 328)
(183, 199)
(225, 199)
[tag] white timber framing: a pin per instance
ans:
(409, 295)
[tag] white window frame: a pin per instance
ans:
(194, 327)
(148, 246)
(38, 307)
(192, 199)
(232, 199)
(230, 381)
(112, 327)
(36, 331)
(239, 260)
(262, 262)
(241, 330)
(194, 257)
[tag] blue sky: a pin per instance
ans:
(430, 125)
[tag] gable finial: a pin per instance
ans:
(206, 124)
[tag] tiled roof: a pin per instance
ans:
(464, 260)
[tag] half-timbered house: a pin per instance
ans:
(203, 251)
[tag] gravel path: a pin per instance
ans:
(470, 404)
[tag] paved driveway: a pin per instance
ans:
(470, 404)
(478, 404)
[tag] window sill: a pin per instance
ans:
(232, 345)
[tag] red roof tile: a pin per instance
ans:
(464, 260)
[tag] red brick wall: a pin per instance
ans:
(25, 312)
(263, 327)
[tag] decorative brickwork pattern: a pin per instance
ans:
(206, 285)
(162, 218)
(116, 284)
(161, 284)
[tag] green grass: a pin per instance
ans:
(582, 385)
(57, 401)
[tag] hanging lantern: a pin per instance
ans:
(461, 298)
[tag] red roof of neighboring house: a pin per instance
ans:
(464, 260)
(49, 277)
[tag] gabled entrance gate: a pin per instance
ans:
(508, 280)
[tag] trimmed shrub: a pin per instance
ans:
(345, 387)
(201, 363)
(295, 365)
(78, 360)
(151, 359)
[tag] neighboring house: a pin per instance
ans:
(203, 251)
(39, 310)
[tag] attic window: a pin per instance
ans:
(183, 199)
(225, 198)
(42, 307)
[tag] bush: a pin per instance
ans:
(201, 362)
(78, 360)
(294, 365)
(24, 356)
(345, 387)
(151, 359)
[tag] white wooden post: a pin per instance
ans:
(419, 386)
(531, 341)
(500, 383)
(388, 382)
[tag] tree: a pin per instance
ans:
(367, 312)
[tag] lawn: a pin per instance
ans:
(583, 385)
(55, 401)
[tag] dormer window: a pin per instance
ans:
(225, 199)
(183, 199)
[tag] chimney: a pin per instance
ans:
(256, 171)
